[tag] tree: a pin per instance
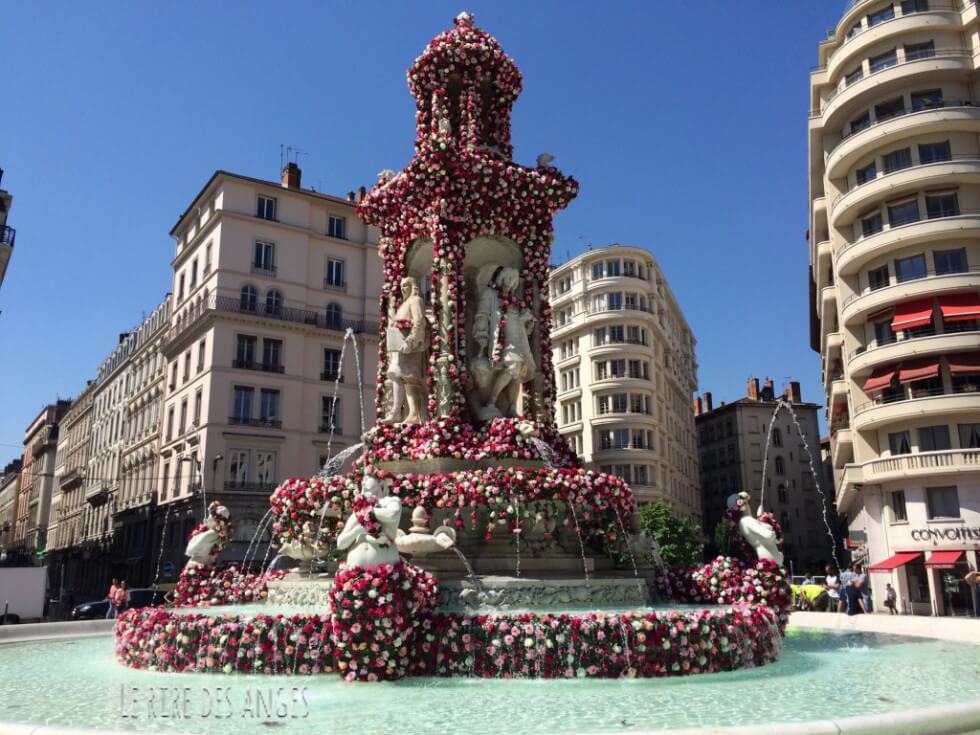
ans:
(678, 537)
(723, 537)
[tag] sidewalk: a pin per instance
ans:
(964, 630)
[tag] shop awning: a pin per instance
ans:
(879, 379)
(965, 364)
(912, 314)
(943, 559)
(960, 307)
(915, 370)
(892, 563)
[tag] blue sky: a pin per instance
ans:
(685, 123)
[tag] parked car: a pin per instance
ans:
(99, 608)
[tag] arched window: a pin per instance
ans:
(334, 315)
(273, 302)
(249, 298)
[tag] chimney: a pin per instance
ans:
(361, 193)
(768, 390)
(350, 197)
(753, 388)
(708, 405)
(697, 406)
(291, 176)
(794, 393)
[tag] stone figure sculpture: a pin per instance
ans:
(759, 535)
(371, 532)
(419, 541)
(504, 360)
(406, 343)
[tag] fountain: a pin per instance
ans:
(523, 564)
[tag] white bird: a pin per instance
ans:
(544, 159)
(201, 545)
(759, 535)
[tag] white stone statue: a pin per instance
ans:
(204, 546)
(419, 542)
(759, 535)
(369, 549)
(406, 344)
(504, 360)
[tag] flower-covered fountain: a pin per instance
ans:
(514, 546)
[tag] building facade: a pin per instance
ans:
(272, 284)
(732, 445)
(37, 480)
(895, 285)
(68, 499)
(625, 372)
(7, 233)
(9, 487)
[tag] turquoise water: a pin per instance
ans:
(819, 675)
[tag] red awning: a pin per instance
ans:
(960, 307)
(943, 559)
(912, 314)
(879, 379)
(918, 370)
(879, 315)
(967, 363)
(891, 564)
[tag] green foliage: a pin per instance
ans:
(678, 537)
(723, 538)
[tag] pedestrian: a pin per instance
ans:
(847, 578)
(853, 600)
(864, 584)
(122, 597)
(808, 579)
(890, 599)
(111, 597)
(972, 578)
(831, 584)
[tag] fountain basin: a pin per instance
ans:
(894, 684)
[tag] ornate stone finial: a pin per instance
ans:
(464, 20)
(545, 159)
(420, 521)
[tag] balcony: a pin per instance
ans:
(332, 376)
(265, 367)
(909, 466)
(923, 342)
(7, 235)
(334, 285)
(859, 305)
(327, 428)
(264, 268)
(266, 423)
(260, 311)
(905, 406)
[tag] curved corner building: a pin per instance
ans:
(894, 141)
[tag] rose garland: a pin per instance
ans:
(203, 585)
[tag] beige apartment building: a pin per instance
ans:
(9, 487)
(268, 278)
(625, 372)
(894, 178)
(7, 233)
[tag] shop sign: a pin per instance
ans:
(951, 533)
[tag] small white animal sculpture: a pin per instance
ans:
(201, 547)
(545, 159)
(419, 542)
(759, 535)
(367, 550)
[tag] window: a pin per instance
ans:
(272, 355)
(969, 436)
(886, 13)
(173, 375)
(639, 369)
(914, 6)
(884, 334)
(636, 335)
(249, 298)
(641, 474)
(273, 302)
(915, 51)
(201, 348)
(599, 336)
(781, 494)
(331, 365)
(180, 287)
(207, 258)
(266, 207)
(888, 110)
(194, 273)
(198, 405)
(909, 269)
(164, 479)
(629, 268)
(942, 205)
(612, 268)
(638, 404)
(866, 174)
(897, 160)
(899, 443)
(780, 466)
(337, 227)
(614, 301)
(927, 99)
(619, 403)
(871, 224)
(187, 366)
(269, 406)
(885, 60)
(170, 423)
(942, 502)
(330, 415)
(597, 270)
(265, 467)
(238, 467)
(934, 152)
(334, 315)
(950, 261)
(878, 278)
(182, 427)
(934, 439)
(860, 123)
(899, 513)
(777, 438)
(264, 256)
(903, 213)
(617, 334)
(242, 406)
(245, 352)
(854, 76)
(335, 274)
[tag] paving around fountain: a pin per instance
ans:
(465, 572)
